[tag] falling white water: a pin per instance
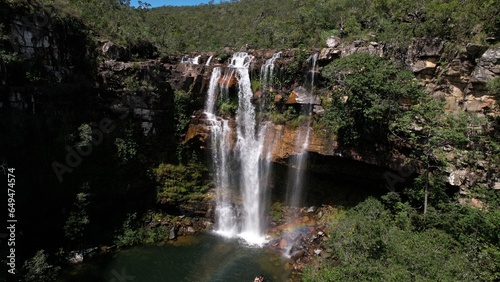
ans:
(212, 91)
(297, 166)
(196, 60)
(247, 156)
(208, 61)
(226, 81)
(220, 133)
(249, 147)
(313, 71)
(266, 72)
(227, 224)
(241, 60)
(187, 60)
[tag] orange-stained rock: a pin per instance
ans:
(228, 81)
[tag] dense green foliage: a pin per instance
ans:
(131, 233)
(494, 88)
(282, 23)
(39, 269)
(180, 183)
(368, 93)
(391, 242)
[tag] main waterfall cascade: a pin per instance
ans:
(242, 167)
(247, 155)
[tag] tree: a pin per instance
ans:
(428, 130)
(78, 218)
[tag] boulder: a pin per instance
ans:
(328, 54)
(333, 41)
(496, 186)
(172, 235)
(425, 47)
(457, 177)
(488, 66)
(424, 66)
(301, 96)
(473, 106)
(114, 52)
(474, 50)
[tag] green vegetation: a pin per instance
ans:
(132, 233)
(494, 88)
(181, 183)
(368, 94)
(392, 242)
(280, 23)
(277, 211)
(38, 269)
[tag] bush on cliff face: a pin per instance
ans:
(181, 183)
(368, 94)
(494, 88)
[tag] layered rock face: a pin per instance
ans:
(459, 76)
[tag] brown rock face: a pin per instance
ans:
(229, 81)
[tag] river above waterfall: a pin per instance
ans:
(204, 257)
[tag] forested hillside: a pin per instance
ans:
(286, 23)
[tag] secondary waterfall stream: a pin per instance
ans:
(297, 164)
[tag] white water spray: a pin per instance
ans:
(208, 61)
(314, 59)
(220, 134)
(247, 156)
(267, 71)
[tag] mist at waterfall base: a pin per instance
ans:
(201, 258)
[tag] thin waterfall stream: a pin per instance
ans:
(298, 164)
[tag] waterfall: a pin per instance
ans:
(266, 72)
(246, 155)
(193, 61)
(249, 146)
(212, 88)
(208, 61)
(297, 164)
(225, 82)
(226, 215)
(220, 135)
(314, 58)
